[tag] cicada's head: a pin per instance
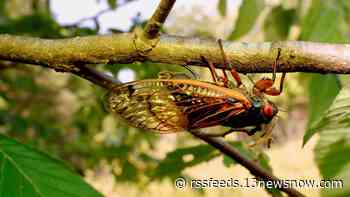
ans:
(268, 111)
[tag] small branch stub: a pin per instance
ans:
(155, 23)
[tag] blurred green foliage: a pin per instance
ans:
(222, 7)
(320, 101)
(278, 23)
(248, 14)
(64, 116)
(333, 146)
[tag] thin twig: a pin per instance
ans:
(97, 77)
(254, 168)
(158, 18)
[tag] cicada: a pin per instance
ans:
(173, 104)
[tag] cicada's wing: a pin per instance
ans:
(213, 114)
(148, 106)
(171, 105)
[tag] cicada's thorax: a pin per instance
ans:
(253, 116)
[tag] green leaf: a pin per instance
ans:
(37, 24)
(278, 23)
(2, 10)
(27, 172)
(248, 13)
(332, 149)
(345, 5)
(222, 5)
(323, 89)
(323, 22)
(113, 4)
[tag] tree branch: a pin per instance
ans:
(96, 77)
(296, 56)
(158, 18)
(254, 168)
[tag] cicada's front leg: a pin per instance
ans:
(248, 131)
(265, 138)
(223, 80)
(266, 85)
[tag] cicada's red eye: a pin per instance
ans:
(269, 110)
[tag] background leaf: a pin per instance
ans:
(332, 149)
(27, 172)
(113, 4)
(222, 6)
(248, 13)
(322, 23)
(322, 91)
(278, 23)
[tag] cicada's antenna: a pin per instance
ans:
(194, 74)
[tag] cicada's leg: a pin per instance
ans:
(266, 85)
(224, 78)
(213, 73)
(224, 133)
(266, 137)
(248, 131)
(233, 71)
